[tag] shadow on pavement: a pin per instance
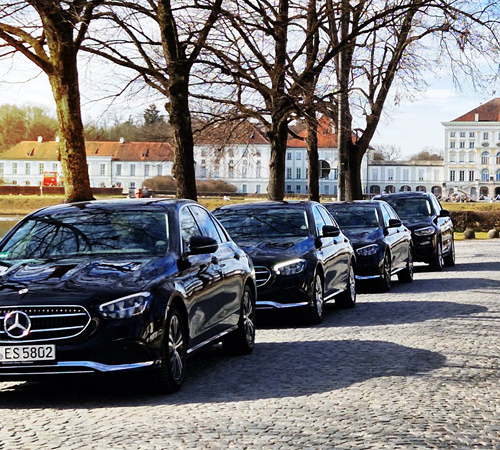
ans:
(288, 369)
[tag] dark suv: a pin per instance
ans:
(430, 225)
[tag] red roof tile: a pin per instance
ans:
(227, 133)
(327, 137)
(489, 112)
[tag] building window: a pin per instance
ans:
(472, 134)
(289, 156)
(462, 134)
(297, 188)
(244, 169)
(452, 144)
(461, 156)
(436, 175)
(103, 169)
(131, 185)
(498, 158)
(14, 168)
(461, 175)
(103, 185)
(485, 136)
(203, 151)
(217, 170)
(472, 157)
(462, 144)
(230, 169)
(41, 168)
(299, 173)
(27, 183)
(390, 174)
(146, 170)
(484, 158)
(471, 144)
(118, 170)
(485, 175)
(244, 188)
(258, 168)
(14, 183)
(452, 156)
(406, 174)
(452, 134)
(27, 168)
(497, 175)
(335, 174)
(375, 174)
(289, 172)
(452, 175)
(471, 175)
(298, 156)
(420, 174)
(132, 170)
(159, 170)
(54, 167)
(257, 189)
(288, 188)
(203, 169)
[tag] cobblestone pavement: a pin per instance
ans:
(417, 368)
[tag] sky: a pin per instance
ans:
(411, 126)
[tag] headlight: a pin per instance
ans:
(368, 250)
(125, 307)
(427, 231)
(290, 267)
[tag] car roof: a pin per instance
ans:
(404, 194)
(267, 204)
(118, 204)
(353, 203)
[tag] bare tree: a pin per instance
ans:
(161, 41)
(50, 34)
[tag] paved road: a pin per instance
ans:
(414, 369)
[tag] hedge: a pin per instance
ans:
(476, 220)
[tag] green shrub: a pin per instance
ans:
(476, 220)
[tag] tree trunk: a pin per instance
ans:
(353, 177)
(64, 82)
(180, 119)
(277, 135)
(312, 155)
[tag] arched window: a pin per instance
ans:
(461, 157)
(390, 189)
(485, 175)
(485, 157)
(405, 188)
(374, 189)
(437, 191)
(497, 175)
(452, 156)
(421, 189)
(498, 158)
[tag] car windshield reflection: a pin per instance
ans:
(356, 217)
(88, 233)
(259, 223)
(409, 208)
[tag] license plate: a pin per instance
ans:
(13, 353)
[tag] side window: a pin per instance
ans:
(327, 218)
(436, 205)
(391, 212)
(206, 223)
(223, 234)
(318, 220)
(385, 215)
(188, 227)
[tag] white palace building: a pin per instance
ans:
(241, 157)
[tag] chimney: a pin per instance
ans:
(40, 139)
(57, 138)
(476, 117)
(122, 140)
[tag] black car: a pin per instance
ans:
(116, 286)
(301, 257)
(380, 240)
(430, 225)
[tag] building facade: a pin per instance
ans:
(472, 152)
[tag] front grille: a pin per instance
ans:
(48, 323)
(262, 275)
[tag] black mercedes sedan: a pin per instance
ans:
(301, 257)
(430, 224)
(380, 240)
(118, 286)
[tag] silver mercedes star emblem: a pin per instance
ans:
(17, 324)
(23, 291)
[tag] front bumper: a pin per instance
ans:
(368, 267)
(424, 247)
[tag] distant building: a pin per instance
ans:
(111, 164)
(472, 152)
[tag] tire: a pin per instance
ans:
(242, 340)
(348, 298)
(170, 375)
(449, 259)
(318, 301)
(406, 275)
(384, 283)
(437, 262)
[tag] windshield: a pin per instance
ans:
(264, 223)
(88, 232)
(356, 216)
(410, 208)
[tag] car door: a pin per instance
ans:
(444, 224)
(202, 282)
(395, 238)
(226, 262)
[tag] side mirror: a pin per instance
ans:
(202, 245)
(444, 213)
(394, 223)
(330, 231)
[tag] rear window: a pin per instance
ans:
(408, 208)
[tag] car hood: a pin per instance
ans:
(77, 280)
(418, 222)
(265, 252)
(360, 237)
